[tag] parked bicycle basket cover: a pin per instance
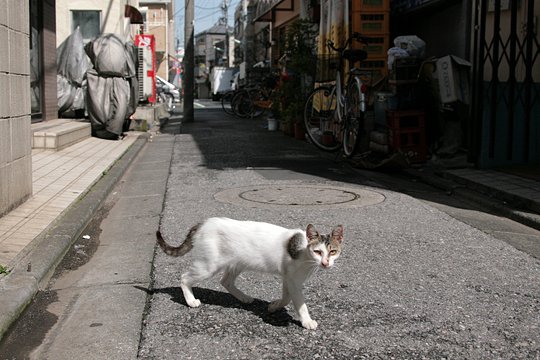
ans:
(324, 102)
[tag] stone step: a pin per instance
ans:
(59, 133)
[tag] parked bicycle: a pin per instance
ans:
(334, 114)
(251, 101)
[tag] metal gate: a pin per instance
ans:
(505, 126)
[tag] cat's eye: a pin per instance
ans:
(318, 252)
(333, 252)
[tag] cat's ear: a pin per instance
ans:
(311, 233)
(337, 233)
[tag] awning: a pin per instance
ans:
(266, 8)
(133, 14)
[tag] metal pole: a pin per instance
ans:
(189, 62)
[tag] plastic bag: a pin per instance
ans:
(71, 64)
(111, 56)
(412, 44)
(108, 104)
(395, 52)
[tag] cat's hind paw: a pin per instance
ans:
(275, 306)
(309, 324)
(194, 303)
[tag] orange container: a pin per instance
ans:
(370, 5)
(377, 48)
(369, 23)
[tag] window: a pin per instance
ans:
(88, 22)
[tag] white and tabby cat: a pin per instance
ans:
(231, 246)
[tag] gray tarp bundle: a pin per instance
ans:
(112, 85)
(72, 64)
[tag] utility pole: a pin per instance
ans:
(189, 60)
(225, 20)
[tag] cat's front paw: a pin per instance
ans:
(275, 306)
(309, 324)
(194, 303)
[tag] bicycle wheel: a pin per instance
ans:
(320, 119)
(354, 118)
(258, 98)
(241, 104)
(226, 102)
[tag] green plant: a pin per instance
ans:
(299, 45)
(3, 270)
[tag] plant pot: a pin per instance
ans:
(299, 133)
(327, 139)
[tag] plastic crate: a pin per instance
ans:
(367, 23)
(377, 48)
(405, 120)
(405, 70)
(370, 5)
(410, 141)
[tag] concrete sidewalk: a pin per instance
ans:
(68, 187)
(512, 196)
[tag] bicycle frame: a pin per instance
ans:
(345, 107)
(342, 105)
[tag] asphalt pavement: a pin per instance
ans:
(412, 282)
(420, 277)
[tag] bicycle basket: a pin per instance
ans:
(327, 66)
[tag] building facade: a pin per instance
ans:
(159, 21)
(15, 105)
(32, 30)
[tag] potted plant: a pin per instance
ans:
(296, 83)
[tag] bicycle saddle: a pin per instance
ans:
(354, 55)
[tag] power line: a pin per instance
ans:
(207, 8)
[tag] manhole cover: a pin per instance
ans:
(299, 195)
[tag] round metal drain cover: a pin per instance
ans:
(299, 195)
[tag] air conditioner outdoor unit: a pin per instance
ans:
(146, 73)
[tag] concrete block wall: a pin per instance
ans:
(15, 130)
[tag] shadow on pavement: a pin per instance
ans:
(226, 300)
(229, 142)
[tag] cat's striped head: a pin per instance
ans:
(324, 249)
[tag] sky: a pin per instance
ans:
(207, 13)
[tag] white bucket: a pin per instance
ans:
(382, 103)
(272, 124)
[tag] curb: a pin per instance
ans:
(32, 273)
(495, 200)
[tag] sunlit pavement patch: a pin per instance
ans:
(319, 196)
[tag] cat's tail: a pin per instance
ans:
(181, 250)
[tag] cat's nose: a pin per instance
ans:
(325, 263)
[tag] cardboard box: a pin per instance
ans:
(453, 74)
